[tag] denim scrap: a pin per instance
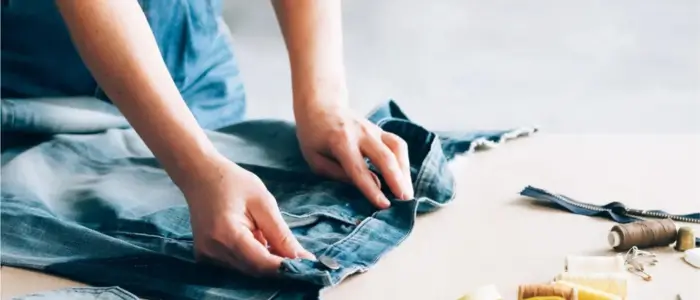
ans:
(614, 211)
(98, 208)
(82, 293)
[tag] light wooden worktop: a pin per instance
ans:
(491, 235)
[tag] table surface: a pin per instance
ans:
(491, 235)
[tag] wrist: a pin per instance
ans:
(191, 163)
(320, 95)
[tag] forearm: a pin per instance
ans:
(312, 31)
(117, 45)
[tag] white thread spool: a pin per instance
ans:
(595, 264)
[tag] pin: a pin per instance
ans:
(636, 259)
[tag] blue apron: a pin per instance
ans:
(40, 61)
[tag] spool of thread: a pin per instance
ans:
(685, 239)
(545, 290)
(594, 264)
(643, 234)
(587, 293)
(613, 283)
(488, 292)
(546, 298)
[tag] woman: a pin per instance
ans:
(169, 68)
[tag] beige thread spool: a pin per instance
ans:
(540, 290)
(685, 239)
(643, 234)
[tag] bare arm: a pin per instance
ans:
(333, 140)
(117, 45)
(313, 35)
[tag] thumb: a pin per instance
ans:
(269, 220)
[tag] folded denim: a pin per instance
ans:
(82, 293)
(97, 208)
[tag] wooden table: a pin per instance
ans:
(491, 235)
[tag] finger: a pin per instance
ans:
(388, 165)
(260, 237)
(326, 166)
(354, 165)
(250, 255)
(281, 239)
(398, 146)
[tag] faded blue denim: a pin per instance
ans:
(81, 293)
(98, 208)
(193, 39)
(83, 197)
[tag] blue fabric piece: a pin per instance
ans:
(82, 293)
(612, 211)
(193, 39)
(96, 207)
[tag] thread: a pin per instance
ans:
(685, 239)
(544, 290)
(594, 264)
(546, 298)
(586, 293)
(488, 292)
(613, 283)
(643, 234)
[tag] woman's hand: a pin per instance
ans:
(236, 221)
(335, 143)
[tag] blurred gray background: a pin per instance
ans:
(594, 66)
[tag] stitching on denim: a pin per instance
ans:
(421, 186)
(324, 213)
(186, 241)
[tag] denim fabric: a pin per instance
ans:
(614, 211)
(39, 60)
(82, 293)
(97, 208)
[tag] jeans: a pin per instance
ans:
(39, 59)
(82, 293)
(97, 207)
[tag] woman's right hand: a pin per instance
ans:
(236, 221)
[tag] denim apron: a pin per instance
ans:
(39, 60)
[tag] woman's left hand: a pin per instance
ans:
(335, 142)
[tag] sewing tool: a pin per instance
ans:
(542, 290)
(685, 239)
(588, 293)
(613, 283)
(488, 292)
(546, 298)
(594, 264)
(692, 257)
(642, 234)
(636, 260)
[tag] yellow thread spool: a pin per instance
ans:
(587, 293)
(546, 298)
(488, 292)
(613, 283)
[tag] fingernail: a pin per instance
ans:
(306, 254)
(383, 202)
(408, 195)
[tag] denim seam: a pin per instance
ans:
(150, 235)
